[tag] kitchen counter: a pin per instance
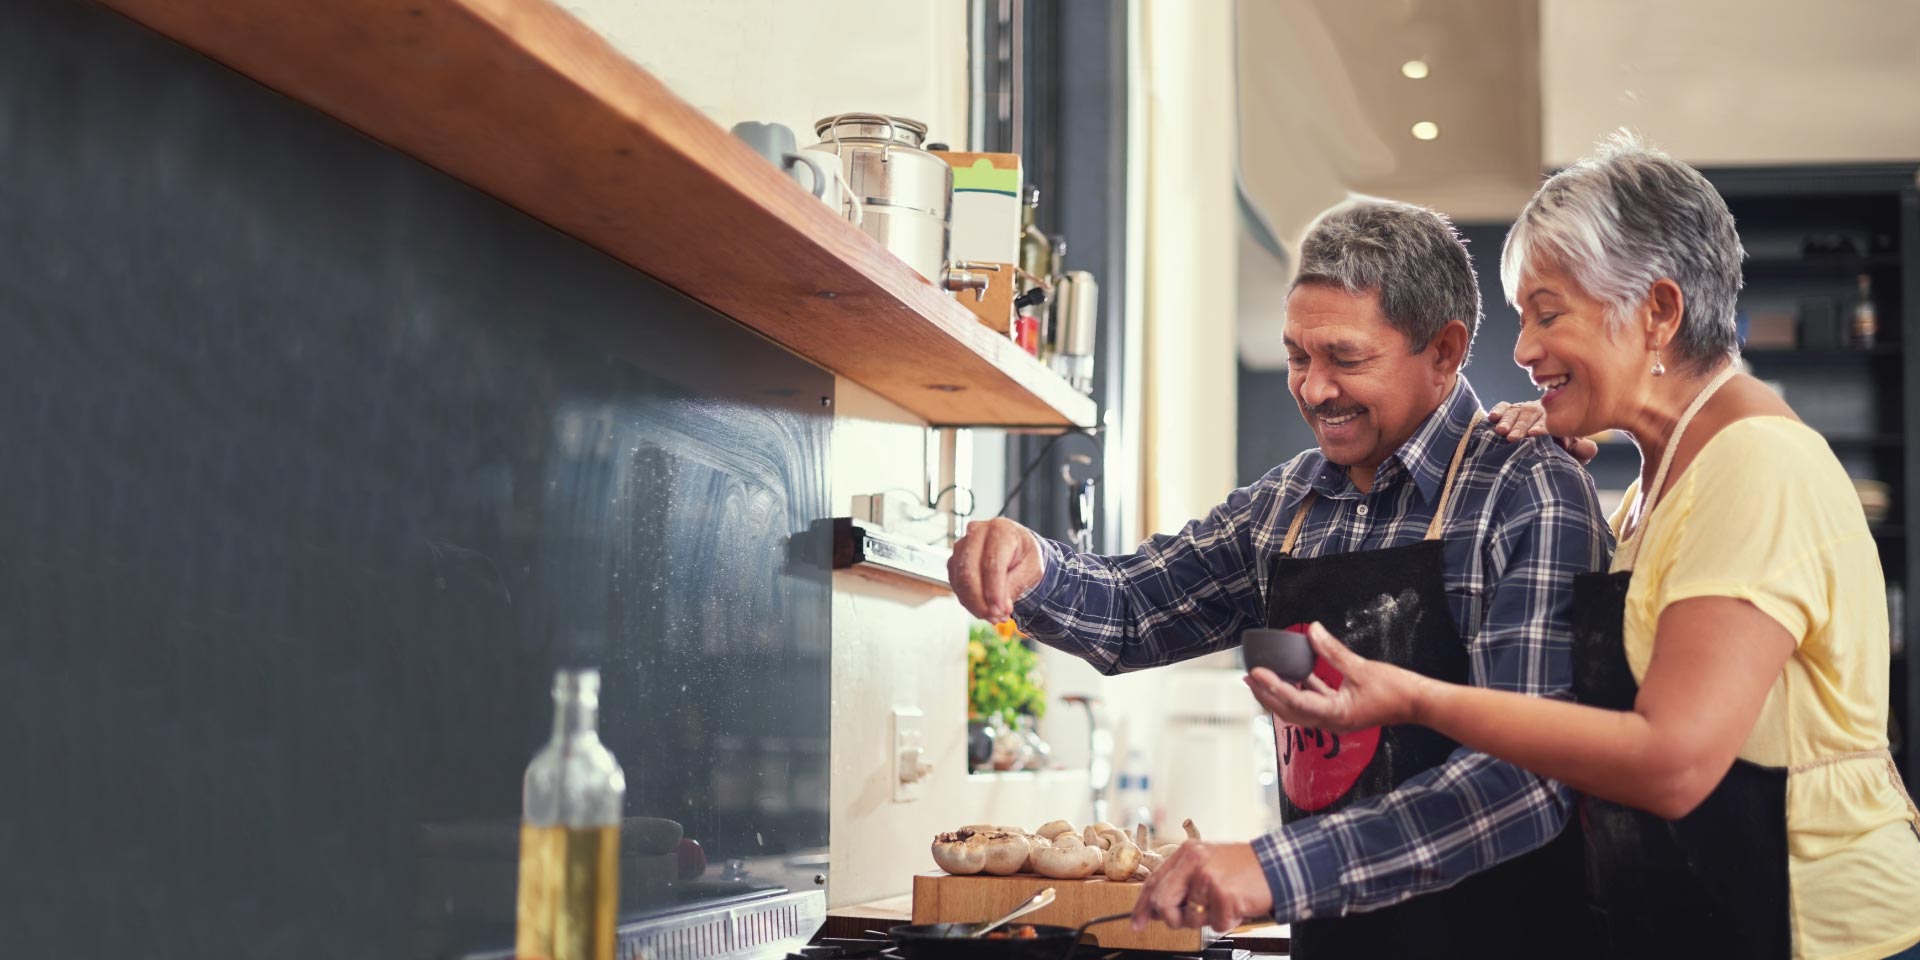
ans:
(880, 915)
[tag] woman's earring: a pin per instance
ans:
(1659, 369)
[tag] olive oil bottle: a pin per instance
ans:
(570, 833)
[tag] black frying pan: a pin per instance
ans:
(949, 941)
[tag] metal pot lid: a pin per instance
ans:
(871, 126)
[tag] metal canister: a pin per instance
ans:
(907, 192)
(1078, 319)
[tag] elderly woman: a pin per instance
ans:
(1731, 666)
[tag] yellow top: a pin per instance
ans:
(1766, 514)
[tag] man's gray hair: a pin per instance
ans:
(1408, 256)
(1622, 219)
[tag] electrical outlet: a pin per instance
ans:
(910, 765)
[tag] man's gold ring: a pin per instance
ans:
(1196, 906)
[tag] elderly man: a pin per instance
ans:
(1418, 535)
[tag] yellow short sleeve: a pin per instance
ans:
(1757, 517)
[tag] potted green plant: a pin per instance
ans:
(1003, 683)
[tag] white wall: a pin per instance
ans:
(1192, 261)
(1733, 81)
(795, 62)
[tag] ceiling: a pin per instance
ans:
(1325, 111)
(1323, 77)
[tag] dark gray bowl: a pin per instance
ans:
(1285, 652)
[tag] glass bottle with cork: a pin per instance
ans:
(1866, 323)
(570, 833)
(1036, 268)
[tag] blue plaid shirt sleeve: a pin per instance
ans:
(1472, 811)
(1178, 597)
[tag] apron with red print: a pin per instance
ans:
(1391, 605)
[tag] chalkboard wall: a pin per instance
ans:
(314, 463)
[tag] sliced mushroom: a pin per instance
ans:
(957, 853)
(1068, 861)
(1054, 828)
(1122, 860)
(1006, 853)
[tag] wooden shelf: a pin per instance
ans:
(522, 101)
(1857, 441)
(1760, 268)
(1821, 353)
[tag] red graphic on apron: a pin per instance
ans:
(1317, 766)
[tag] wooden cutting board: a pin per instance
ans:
(943, 898)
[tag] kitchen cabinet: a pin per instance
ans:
(522, 101)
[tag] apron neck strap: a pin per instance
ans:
(1453, 470)
(1439, 510)
(1649, 498)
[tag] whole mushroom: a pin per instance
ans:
(1150, 859)
(1068, 861)
(1006, 853)
(1054, 828)
(961, 852)
(1122, 860)
(1035, 843)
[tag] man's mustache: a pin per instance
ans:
(1329, 411)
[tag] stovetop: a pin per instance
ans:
(876, 948)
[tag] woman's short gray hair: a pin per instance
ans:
(1624, 218)
(1408, 256)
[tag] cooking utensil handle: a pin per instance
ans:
(1032, 903)
(1081, 933)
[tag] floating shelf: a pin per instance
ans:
(1820, 353)
(1856, 441)
(522, 101)
(1766, 267)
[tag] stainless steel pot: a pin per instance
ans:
(906, 191)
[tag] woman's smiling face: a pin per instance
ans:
(1586, 367)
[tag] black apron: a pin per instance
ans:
(1712, 883)
(1391, 605)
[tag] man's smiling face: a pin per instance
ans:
(1358, 382)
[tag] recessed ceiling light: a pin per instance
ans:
(1426, 130)
(1414, 69)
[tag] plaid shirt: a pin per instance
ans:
(1523, 521)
